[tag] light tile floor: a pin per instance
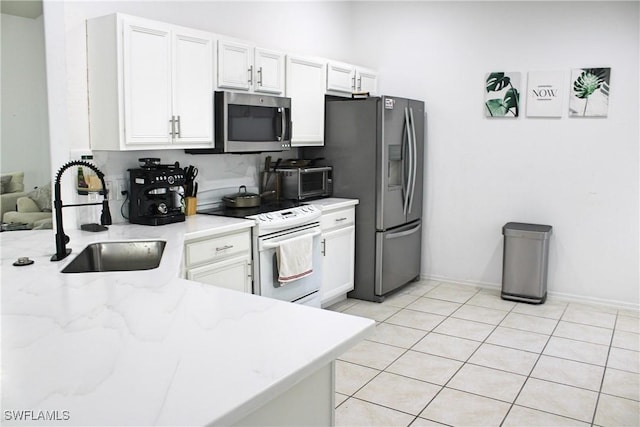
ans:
(447, 354)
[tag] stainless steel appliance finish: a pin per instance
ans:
(306, 183)
(376, 148)
(525, 262)
(249, 123)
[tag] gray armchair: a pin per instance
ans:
(12, 190)
(33, 208)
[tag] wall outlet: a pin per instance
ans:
(109, 185)
(121, 186)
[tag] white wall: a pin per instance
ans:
(578, 175)
(25, 135)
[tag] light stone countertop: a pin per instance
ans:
(147, 347)
(332, 203)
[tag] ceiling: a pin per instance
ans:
(24, 8)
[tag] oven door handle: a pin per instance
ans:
(275, 245)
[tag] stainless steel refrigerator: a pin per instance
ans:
(376, 148)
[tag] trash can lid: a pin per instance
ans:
(520, 229)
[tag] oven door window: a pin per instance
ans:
(312, 182)
(255, 124)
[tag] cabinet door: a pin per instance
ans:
(193, 87)
(366, 81)
(306, 88)
(235, 67)
(147, 83)
(234, 273)
(341, 77)
(338, 262)
(269, 76)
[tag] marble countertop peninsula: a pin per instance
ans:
(147, 347)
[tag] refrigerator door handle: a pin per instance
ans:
(403, 233)
(414, 159)
(406, 185)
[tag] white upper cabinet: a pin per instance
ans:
(341, 77)
(366, 81)
(247, 68)
(147, 83)
(150, 84)
(269, 67)
(192, 87)
(346, 79)
(306, 87)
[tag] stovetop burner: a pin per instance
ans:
(245, 212)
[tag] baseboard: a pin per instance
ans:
(562, 296)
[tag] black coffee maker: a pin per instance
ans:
(156, 191)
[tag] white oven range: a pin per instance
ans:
(273, 229)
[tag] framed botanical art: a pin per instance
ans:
(589, 92)
(502, 96)
(545, 90)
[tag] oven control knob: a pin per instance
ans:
(162, 208)
(170, 179)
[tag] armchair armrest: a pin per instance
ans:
(26, 205)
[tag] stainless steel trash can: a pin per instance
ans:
(525, 262)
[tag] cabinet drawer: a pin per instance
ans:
(216, 248)
(339, 218)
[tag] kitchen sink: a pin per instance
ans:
(117, 256)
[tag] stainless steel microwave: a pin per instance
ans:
(249, 123)
(305, 183)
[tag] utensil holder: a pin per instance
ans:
(271, 181)
(190, 204)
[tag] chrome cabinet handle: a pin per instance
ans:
(259, 83)
(250, 74)
(179, 127)
(223, 248)
(353, 84)
(341, 219)
(324, 247)
(173, 126)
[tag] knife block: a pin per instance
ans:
(190, 205)
(270, 182)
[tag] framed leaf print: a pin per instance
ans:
(589, 92)
(502, 96)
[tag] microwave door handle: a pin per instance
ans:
(283, 123)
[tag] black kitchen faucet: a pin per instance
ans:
(105, 218)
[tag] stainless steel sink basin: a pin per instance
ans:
(117, 256)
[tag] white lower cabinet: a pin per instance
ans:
(338, 250)
(222, 260)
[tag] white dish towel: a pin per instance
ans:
(295, 259)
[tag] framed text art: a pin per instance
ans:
(545, 91)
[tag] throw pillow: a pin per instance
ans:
(42, 197)
(4, 183)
